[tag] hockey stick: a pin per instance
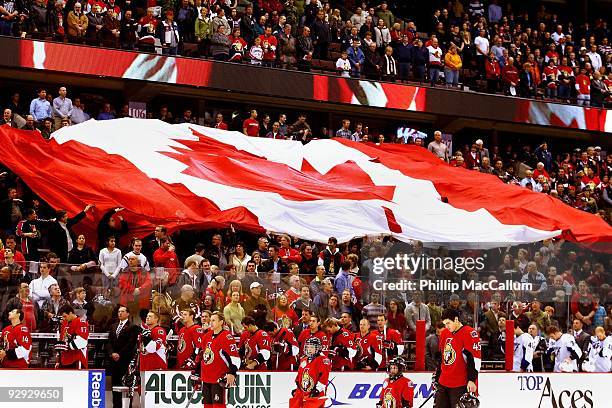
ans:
(189, 398)
(427, 400)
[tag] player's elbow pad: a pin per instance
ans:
(234, 363)
(263, 356)
(77, 343)
(11, 354)
(574, 354)
(378, 358)
(151, 347)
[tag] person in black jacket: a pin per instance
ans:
(304, 50)
(107, 227)
(403, 54)
(321, 33)
(599, 90)
(372, 63)
(121, 348)
(420, 57)
(247, 25)
(527, 82)
(61, 237)
(129, 27)
(11, 211)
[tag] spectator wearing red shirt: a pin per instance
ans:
(582, 305)
(286, 253)
(551, 78)
(147, 27)
(583, 88)
(493, 73)
(396, 318)
(219, 123)
(135, 286)
(472, 159)
(17, 256)
(165, 257)
(250, 126)
(510, 77)
(268, 44)
(540, 170)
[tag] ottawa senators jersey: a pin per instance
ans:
(75, 334)
(188, 342)
(390, 343)
(368, 348)
(460, 357)
(313, 373)
(17, 343)
(343, 350)
(286, 350)
(255, 346)
(153, 354)
(219, 356)
(397, 393)
(306, 334)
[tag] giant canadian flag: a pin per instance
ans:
(188, 176)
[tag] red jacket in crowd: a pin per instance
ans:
(583, 84)
(493, 69)
(166, 258)
(510, 75)
(289, 255)
(129, 281)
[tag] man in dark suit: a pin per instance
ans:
(121, 348)
(582, 338)
(61, 237)
(274, 262)
(527, 84)
(303, 324)
(153, 245)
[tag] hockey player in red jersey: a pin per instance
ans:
(369, 354)
(285, 348)
(314, 331)
(457, 371)
(342, 348)
(16, 342)
(312, 377)
(217, 365)
(397, 390)
(152, 343)
(74, 335)
(390, 341)
(254, 346)
(188, 340)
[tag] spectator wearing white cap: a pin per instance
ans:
(256, 300)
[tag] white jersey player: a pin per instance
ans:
(600, 353)
(524, 347)
(565, 349)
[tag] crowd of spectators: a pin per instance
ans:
(500, 46)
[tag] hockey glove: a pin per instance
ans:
(189, 364)
(196, 381)
(145, 336)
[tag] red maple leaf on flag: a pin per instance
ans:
(218, 162)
